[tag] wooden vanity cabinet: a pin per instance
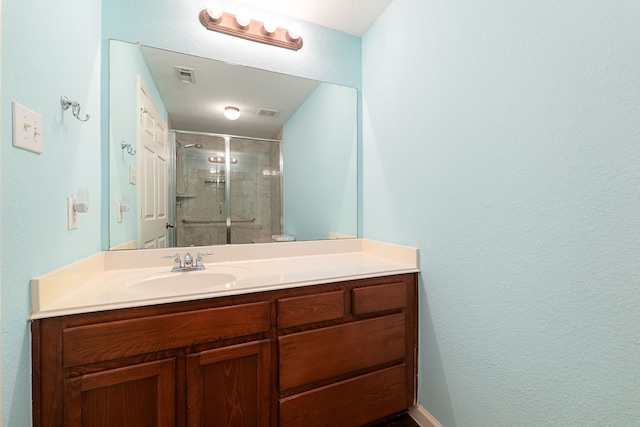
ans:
(167, 365)
(347, 358)
(340, 354)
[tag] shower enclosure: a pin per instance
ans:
(228, 189)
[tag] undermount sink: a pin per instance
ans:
(172, 283)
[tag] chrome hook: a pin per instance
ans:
(128, 146)
(75, 108)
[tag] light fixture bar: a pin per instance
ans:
(254, 31)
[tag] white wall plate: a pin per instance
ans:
(27, 128)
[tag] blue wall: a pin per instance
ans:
(514, 168)
(49, 49)
(321, 184)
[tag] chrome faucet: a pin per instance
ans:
(188, 261)
(188, 264)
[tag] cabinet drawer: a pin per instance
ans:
(353, 402)
(379, 298)
(113, 340)
(311, 356)
(306, 309)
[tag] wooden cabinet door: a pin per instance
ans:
(229, 386)
(134, 396)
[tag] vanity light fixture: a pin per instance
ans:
(244, 27)
(232, 113)
(221, 159)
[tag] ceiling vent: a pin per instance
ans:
(267, 113)
(186, 75)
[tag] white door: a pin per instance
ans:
(153, 170)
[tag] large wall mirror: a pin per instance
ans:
(182, 174)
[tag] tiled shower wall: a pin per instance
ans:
(201, 198)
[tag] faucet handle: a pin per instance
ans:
(171, 256)
(177, 262)
(199, 258)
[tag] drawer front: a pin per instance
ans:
(379, 298)
(113, 340)
(320, 354)
(349, 403)
(307, 309)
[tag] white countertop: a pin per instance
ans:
(102, 281)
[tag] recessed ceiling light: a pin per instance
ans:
(232, 113)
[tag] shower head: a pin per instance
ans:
(181, 146)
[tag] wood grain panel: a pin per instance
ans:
(315, 355)
(349, 403)
(379, 298)
(307, 309)
(229, 386)
(136, 396)
(112, 340)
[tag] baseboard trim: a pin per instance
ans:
(423, 417)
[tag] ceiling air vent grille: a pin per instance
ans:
(186, 74)
(267, 112)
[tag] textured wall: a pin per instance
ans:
(514, 169)
(49, 50)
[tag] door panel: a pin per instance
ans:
(229, 386)
(136, 396)
(153, 184)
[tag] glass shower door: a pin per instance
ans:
(228, 190)
(255, 190)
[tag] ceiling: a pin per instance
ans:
(349, 16)
(198, 106)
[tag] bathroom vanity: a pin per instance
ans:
(310, 346)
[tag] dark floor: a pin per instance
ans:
(400, 421)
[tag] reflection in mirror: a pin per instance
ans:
(247, 189)
(286, 167)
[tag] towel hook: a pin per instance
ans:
(128, 146)
(75, 108)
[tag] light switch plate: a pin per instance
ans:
(27, 128)
(132, 175)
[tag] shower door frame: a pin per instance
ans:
(227, 146)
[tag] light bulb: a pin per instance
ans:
(295, 32)
(232, 113)
(243, 19)
(270, 27)
(214, 12)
